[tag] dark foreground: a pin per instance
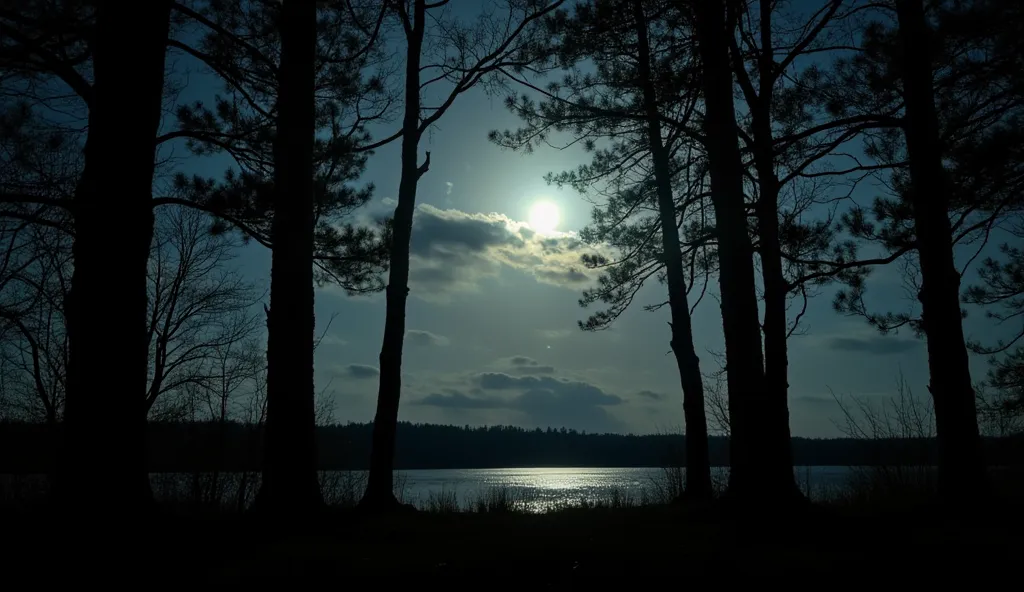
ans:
(632, 548)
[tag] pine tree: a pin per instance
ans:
(642, 64)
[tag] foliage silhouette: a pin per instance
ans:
(465, 58)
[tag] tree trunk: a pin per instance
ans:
(962, 474)
(741, 324)
(379, 489)
(289, 485)
(772, 404)
(102, 469)
(698, 467)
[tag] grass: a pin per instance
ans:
(870, 488)
(496, 539)
(574, 548)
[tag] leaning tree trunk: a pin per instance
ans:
(698, 467)
(740, 320)
(102, 470)
(379, 489)
(772, 403)
(961, 468)
(289, 485)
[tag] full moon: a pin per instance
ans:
(544, 217)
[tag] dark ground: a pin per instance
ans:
(634, 548)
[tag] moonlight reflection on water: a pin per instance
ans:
(541, 489)
(532, 489)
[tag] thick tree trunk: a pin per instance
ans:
(698, 467)
(379, 490)
(290, 485)
(102, 470)
(962, 474)
(741, 324)
(773, 402)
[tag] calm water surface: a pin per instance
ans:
(543, 488)
(534, 489)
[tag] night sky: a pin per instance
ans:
(492, 335)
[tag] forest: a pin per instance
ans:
(727, 140)
(234, 447)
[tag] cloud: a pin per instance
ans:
(545, 401)
(651, 395)
(361, 371)
(453, 251)
(581, 392)
(425, 338)
(457, 400)
(555, 333)
(389, 201)
(875, 344)
(562, 276)
(526, 365)
(450, 186)
(548, 408)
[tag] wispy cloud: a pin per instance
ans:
(425, 338)
(361, 371)
(875, 344)
(555, 333)
(453, 250)
(651, 395)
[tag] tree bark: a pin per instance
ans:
(102, 470)
(698, 467)
(379, 490)
(740, 320)
(290, 485)
(773, 402)
(962, 476)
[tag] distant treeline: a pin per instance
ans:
(235, 446)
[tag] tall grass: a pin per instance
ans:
(903, 420)
(442, 502)
(501, 499)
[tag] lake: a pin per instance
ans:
(533, 489)
(541, 489)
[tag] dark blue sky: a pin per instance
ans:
(493, 310)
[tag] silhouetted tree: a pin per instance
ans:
(236, 389)
(35, 268)
(49, 44)
(950, 68)
(199, 306)
(33, 284)
(289, 484)
(1001, 289)
(244, 44)
(962, 470)
(698, 468)
(757, 471)
(788, 136)
(239, 43)
(466, 56)
(196, 306)
(640, 68)
(107, 300)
